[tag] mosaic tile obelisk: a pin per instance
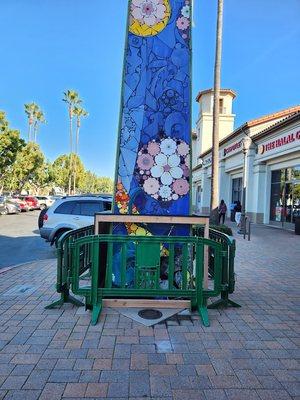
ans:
(153, 156)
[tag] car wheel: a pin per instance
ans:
(41, 218)
(43, 206)
(5, 211)
(58, 236)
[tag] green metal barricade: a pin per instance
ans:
(64, 265)
(147, 269)
(228, 275)
(80, 253)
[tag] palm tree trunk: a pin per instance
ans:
(76, 153)
(35, 132)
(216, 111)
(71, 151)
(29, 131)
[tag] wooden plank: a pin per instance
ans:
(145, 303)
(158, 219)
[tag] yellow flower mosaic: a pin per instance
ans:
(149, 17)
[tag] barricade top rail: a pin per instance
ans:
(213, 233)
(154, 239)
(74, 233)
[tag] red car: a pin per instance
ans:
(22, 203)
(32, 202)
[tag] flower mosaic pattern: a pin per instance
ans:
(153, 159)
(183, 21)
(148, 17)
(153, 162)
(162, 169)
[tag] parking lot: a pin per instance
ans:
(20, 241)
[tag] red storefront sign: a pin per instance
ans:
(233, 147)
(274, 144)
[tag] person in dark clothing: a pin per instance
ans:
(238, 213)
(222, 211)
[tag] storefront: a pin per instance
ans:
(272, 172)
(279, 150)
(285, 195)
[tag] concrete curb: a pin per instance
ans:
(6, 269)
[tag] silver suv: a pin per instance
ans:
(71, 212)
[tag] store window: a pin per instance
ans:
(237, 187)
(221, 106)
(285, 195)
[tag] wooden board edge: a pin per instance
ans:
(151, 219)
(145, 303)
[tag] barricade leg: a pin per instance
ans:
(204, 315)
(201, 301)
(96, 298)
(224, 301)
(97, 308)
(65, 297)
(61, 286)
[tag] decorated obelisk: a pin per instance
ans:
(153, 163)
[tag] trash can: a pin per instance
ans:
(297, 225)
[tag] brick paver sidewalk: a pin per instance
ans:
(248, 353)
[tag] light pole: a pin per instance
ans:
(246, 143)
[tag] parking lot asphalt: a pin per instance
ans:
(20, 241)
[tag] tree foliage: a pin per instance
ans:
(24, 167)
(61, 170)
(28, 167)
(96, 184)
(10, 145)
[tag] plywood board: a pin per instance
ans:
(146, 303)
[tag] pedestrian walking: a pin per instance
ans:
(222, 211)
(238, 213)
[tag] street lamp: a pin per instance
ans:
(246, 143)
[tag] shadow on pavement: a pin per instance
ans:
(23, 249)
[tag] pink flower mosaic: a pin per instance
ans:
(163, 169)
(148, 12)
(183, 21)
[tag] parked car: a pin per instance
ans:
(21, 203)
(32, 202)
(45, 201)
(8, 207)
(71, 212)
(56, 197)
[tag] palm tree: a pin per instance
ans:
(71, 97)
(30, 110)
(39, 118)
(79, 112)
(214, 202)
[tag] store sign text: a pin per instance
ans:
(292, 137)
(207, 162)
(233, 147)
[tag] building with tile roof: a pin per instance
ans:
(271, 165)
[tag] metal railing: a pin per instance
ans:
(64, 264)
(247, 230)
(146, 254)
(228, 274)
(86, 266)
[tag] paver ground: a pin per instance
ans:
(247, 353)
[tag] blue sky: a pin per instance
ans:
(48, 46)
